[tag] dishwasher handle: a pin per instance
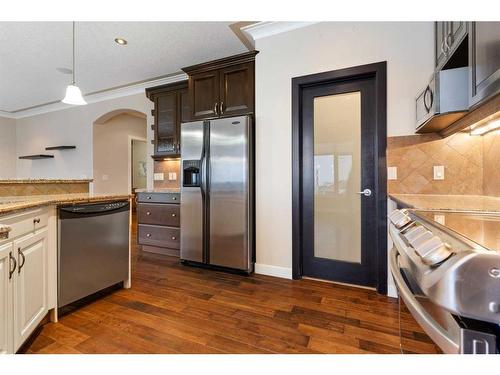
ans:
(79, 210)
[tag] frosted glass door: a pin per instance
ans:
(337, 177)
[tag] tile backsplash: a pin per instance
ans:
(166, 167)
(471, 164)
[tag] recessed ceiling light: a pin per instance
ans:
(121, 41)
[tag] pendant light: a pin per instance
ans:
(73, 93)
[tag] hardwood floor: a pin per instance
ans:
(173, 308)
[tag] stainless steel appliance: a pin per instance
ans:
(93, 248)
(443, 101)
(449, 276)
(217, 193)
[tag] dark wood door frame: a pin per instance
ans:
(377, 71)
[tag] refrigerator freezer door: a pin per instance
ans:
(228, 188)
(192, 198)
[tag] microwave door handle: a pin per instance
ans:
(428, 106)
(426, 321)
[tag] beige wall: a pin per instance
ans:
(72, 126)
(408, 50)
(111, 152)
(491, 164)
(7, 148)
(139, 156)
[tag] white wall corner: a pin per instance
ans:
(267, 28)
(276, 271)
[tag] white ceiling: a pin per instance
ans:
(31, 52)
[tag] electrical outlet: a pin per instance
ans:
(159, 177)
(439, 219)
(439, 172)
(392, 173)
(172, 176)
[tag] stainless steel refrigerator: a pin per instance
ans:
(217, 193)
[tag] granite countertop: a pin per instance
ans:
(479, 203)
(9, 204)
(45, 181)
(159, 190)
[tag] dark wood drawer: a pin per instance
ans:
(158, 214)
(174, 198)
(155, 235)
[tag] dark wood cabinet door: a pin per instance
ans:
(204, 95)
(166, 134)
(236, 90)
(484, 61)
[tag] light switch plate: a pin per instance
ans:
(439, 172)
(392, 173)
(172, 176)
(158, 176)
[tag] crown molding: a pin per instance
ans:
(264, 29)
(100, 96)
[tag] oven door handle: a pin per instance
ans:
(426, 321)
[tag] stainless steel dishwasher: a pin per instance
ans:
(93, 248)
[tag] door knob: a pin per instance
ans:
(366, 192)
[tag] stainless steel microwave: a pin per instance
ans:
(444, 100)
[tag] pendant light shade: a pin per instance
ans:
(73, 93)
(74, 96)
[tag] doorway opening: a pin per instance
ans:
(120, 152)
(339, 176)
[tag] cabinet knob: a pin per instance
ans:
(148, 213)
(174, 198)
(4, 232)
(174, 215)
(148, 235)
(174, 238)
(149, 197)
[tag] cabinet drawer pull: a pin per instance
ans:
(216, 111)
(174, 238)
(149, 197)
(221, 107)
(36, 221)
(174, 215)
(148, 213)
(12, 260)
(4, 232)
(21, 265)
(174, 198)
(148, 235)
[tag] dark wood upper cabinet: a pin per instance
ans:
(204, 94)
(171, 109)
(222, 88)
(484, 61)
(236, 89)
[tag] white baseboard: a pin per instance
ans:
(392, 291)
(277, 271)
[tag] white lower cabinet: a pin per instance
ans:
(6, 303)
(30, 285)
(25, 263)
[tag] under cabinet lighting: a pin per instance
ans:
(488, 125)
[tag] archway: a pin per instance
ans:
(119, 152)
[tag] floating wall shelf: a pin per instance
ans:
(60, 148)
(36, 157)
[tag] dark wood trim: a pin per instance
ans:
(152, 92)
(221, 63)
(378, 71)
